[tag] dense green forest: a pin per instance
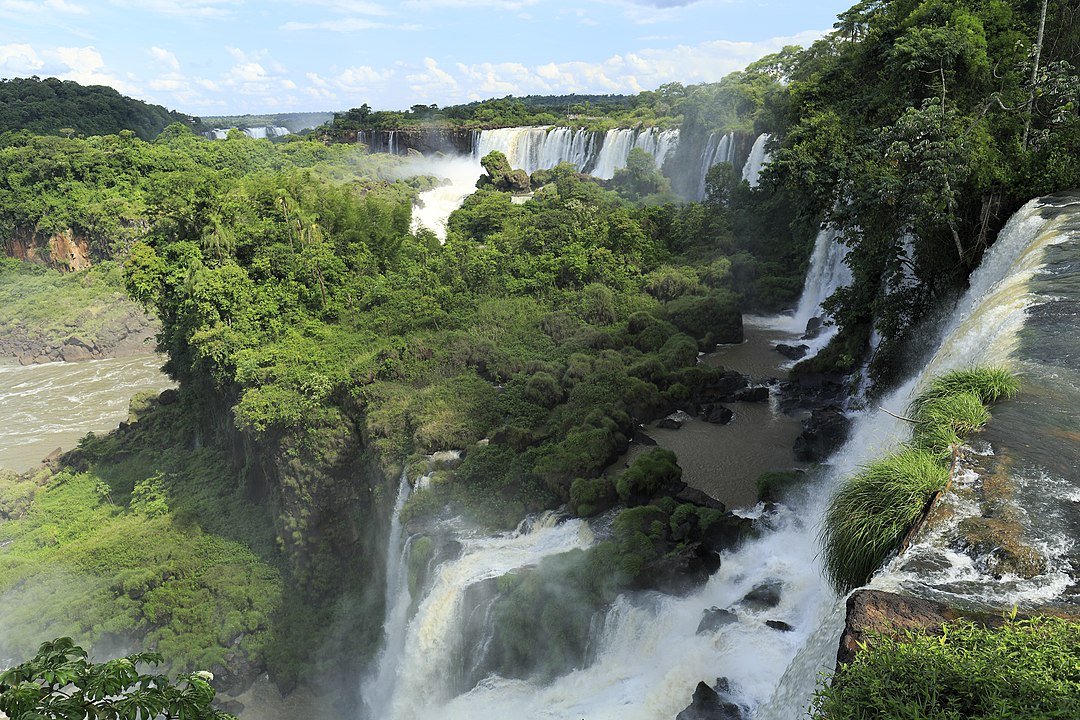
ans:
(64, 107)
(322, 346)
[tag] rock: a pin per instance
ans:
(697, 497)
(640, 438)
(726, 532)
(707, 704)
(764, 596)
(680, 571)
(752, 394)
(879, 611)
(779, 625)
(52, 460)
(669, 423)
(75, 353)
(823, 432)
(714, 618)
(717, 414)
(168, 397)
(720, 388)
(792, 352)
(813, 328)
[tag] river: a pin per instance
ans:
(55, 404)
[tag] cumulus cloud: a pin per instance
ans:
(629, 72)
(19, 59)
(164, 57)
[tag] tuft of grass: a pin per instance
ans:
(989, 384)
(944, 421)
(869, 515)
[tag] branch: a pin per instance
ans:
(901, 417)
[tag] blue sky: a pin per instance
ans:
(216, 57)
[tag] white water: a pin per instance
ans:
(55, 404)
(719, 148)
(530, 149)
(377, 692)
(542, 148)
(756, 160)
(433, 638)
(257, 133)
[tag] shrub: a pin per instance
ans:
(591, 496)
(1022, 671)
(651, 471)
(868, 516)
(989, 384)
(945, 420)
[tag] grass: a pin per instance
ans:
(1025, 670)
(871, 512)
(869, 515)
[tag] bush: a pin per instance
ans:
(589, 497)
(990, 384)
(868, 516)
(944, 421)
(1022, 671)
(651, 471)
(711, 319)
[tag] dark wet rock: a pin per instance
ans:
(640, 438)
(726, 532)
(813, 328)
(876, 611)
(52, 460)
(670, 423)
(810, 390)
(792, 352)
(698, 497)
(708, 704)
(687, 567)
(717, 414)
(764, 596)
(233, 707)
(759, 393)
(714, 618)
(720, 386)
(823, 432)
(168, 397)
(779, 625)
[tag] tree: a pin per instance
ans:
(59, 682)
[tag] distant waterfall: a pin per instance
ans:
(756, 160)
(257, 133)
(541, 148)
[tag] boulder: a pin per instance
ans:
(792, 352)
(714, 618)
(168, 397)
(764, 596)
(823, 433)
(759, 393)
(813, 328)
(671, 422)
(717, 414)
(779, 625)
(709, 704)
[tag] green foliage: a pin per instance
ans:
(989, 384)
(869, 515)
(60, 682)
(52, 106)
(943, 421)
(651, 471)
(1025, 670)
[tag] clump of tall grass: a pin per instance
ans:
(943, 422)
(871, 512)
(990, 384)
(869, 515)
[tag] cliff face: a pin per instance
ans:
(65, 251)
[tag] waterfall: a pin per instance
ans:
(1011, 314)
(425, 675)
(719, 148)
(378, 689)
(256, 133)
(541, 148)
(756, 160)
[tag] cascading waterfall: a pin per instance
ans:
(377, 691)
(257, 133)
(1000, 320)
(541, 148)
(756, 160)
(720, 148)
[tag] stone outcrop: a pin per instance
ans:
(127, 334)
(65, 251)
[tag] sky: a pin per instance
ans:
(225, 57)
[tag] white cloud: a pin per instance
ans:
(19, 59)
(512, 5)
(86, 66)
(184, 8)
(26, 7)
(164, 57)
(629, 72)
(347, 25)
(348, 7)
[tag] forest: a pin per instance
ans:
(323, 347)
